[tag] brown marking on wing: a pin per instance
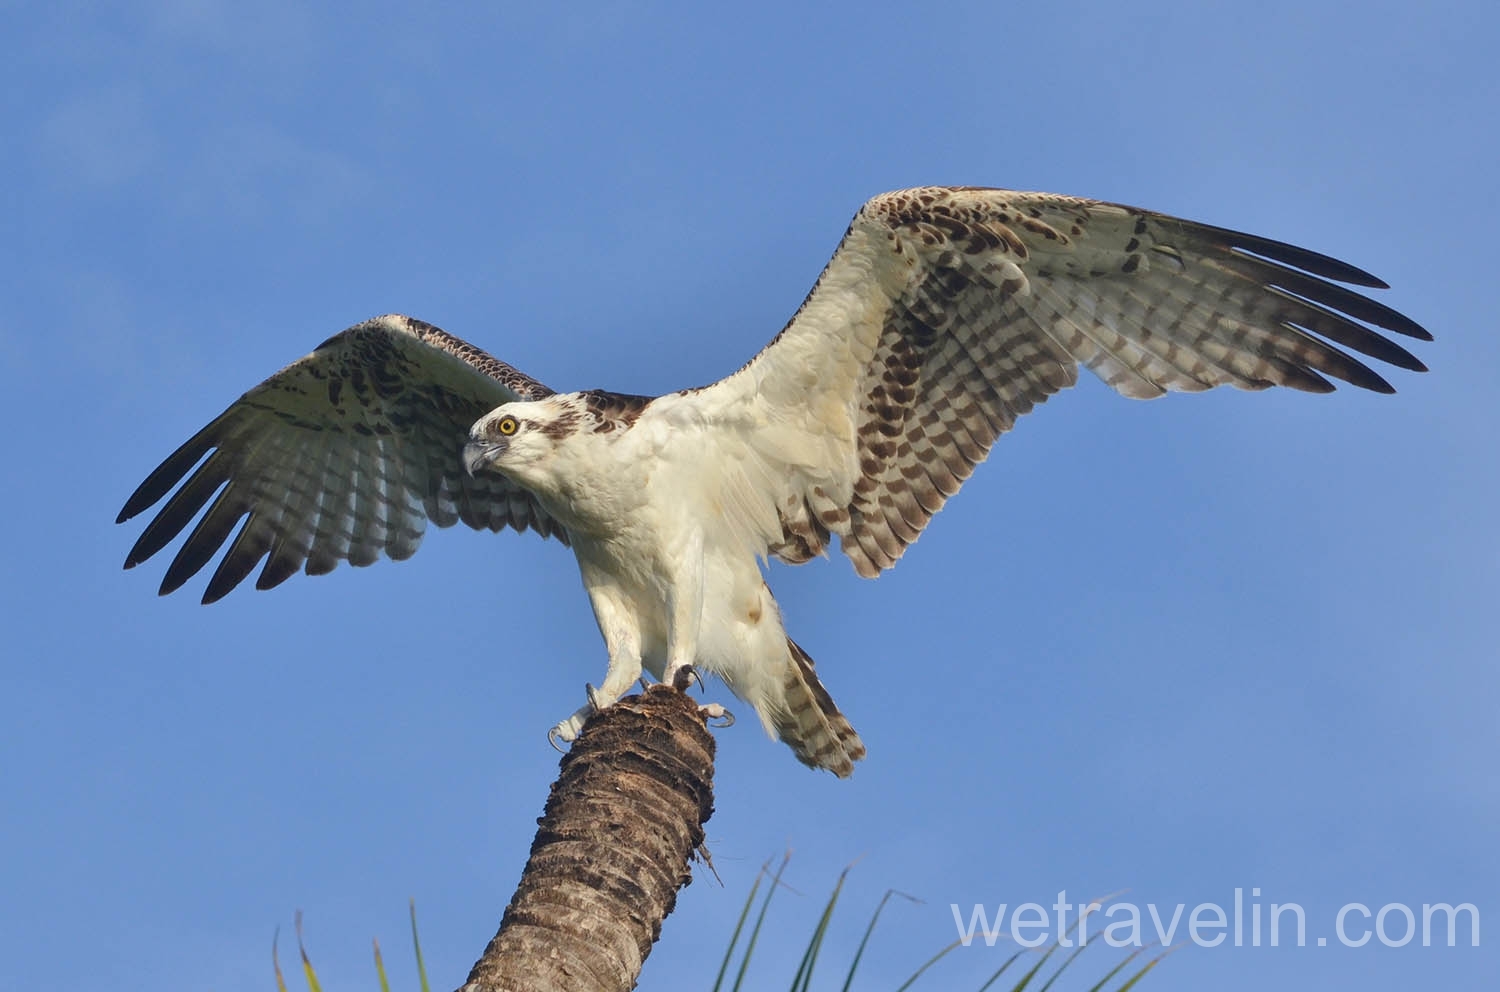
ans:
(987, 302)
(341, 456)
(614, 411)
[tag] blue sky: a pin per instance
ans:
(1281, 675)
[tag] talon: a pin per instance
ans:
(594, 697)
(716, 711)
(566, 732)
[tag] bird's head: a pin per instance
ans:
(520, 439)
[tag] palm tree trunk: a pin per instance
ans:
(611, 851)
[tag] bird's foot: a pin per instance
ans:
(565, 732)
(682, 677)
(716, 711)
(568, 730)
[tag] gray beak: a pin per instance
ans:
(477, 456)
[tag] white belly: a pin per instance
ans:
(660, 520)
(633, 580)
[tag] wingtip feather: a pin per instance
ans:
(1317, 263)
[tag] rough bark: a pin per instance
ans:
(611, 851)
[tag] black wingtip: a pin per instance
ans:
(135, 556)
(1305, 259)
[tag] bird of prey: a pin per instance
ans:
(944, 315)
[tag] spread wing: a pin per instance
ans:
(340, 456)
(946, 313)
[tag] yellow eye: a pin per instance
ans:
(508, 426)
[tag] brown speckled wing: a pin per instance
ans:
(947, 313)
(342, 456)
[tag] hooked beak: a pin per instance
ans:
(478, 455)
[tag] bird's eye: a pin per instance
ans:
(507, 426)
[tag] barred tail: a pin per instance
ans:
(810, 723)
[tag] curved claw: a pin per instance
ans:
(683, 678)
(596, 701)
(554, 737)
(716, 711)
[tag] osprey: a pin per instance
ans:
(944, 315)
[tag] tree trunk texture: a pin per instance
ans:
(611, 851)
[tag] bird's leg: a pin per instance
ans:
(685, 606)
(618, 678)
(686, 615)
(623, 640)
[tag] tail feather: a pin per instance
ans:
(810, 723)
